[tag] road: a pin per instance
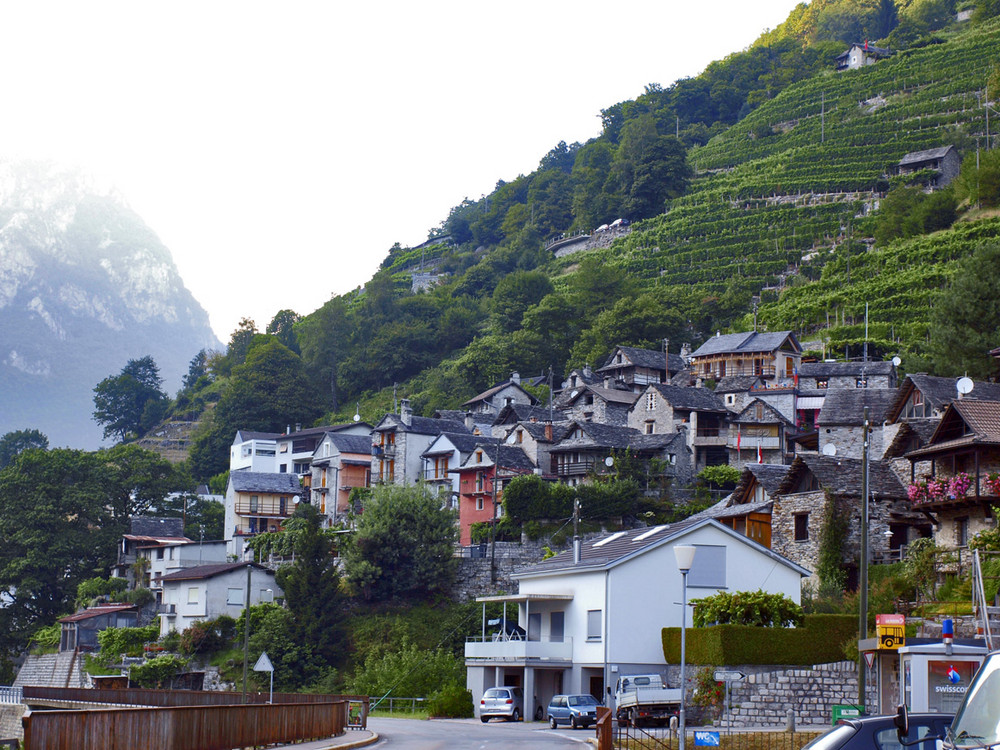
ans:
(471, 734)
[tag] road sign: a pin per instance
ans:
(724, 675)
(263, 664)
(870, 658)
(706, 739)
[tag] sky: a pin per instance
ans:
(280, 149)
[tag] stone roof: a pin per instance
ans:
(930, 154)
(842, 476)
(939, 392)
(649, 358)
(152, 526)
(99, 611)
(511, 457)
(965, 422)
(523, 412)
(846, 406)
(491, 392)
(200, 572)
(464, 442)
(686, 397)
(844, 369)
(263, 481)
(736, 383)
(771, 415)
(748, 342)
(923, 429)
(421, 425)
(537, 429)
(351, 443)
(611, 395)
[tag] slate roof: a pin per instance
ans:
(421, 425)
(99, 611)
(523, 412)
(465, 442)
(512, 457)
(686, 397)
(735, 383)
(930, 154)
(612, 437)
(263, 481)
(153, 526)
(771, 415)
(922, 428)
(649, 358)
(490, 392)
(456, 415)
(351, 443)
(748, 342)
(201, 572)
(611, 395)
(842, 476)
(844, 369)
(243, 435)
(939, 392)
(619, 547)
(537, 429)
(981, 427)
(846, 406)
(769, 476)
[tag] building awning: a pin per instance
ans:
(809, 402)
(522, 598)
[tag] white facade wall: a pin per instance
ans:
(207, 598)
(253, 455)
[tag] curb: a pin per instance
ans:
(357, 743)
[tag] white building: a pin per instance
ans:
(587, 621)
(207, 591)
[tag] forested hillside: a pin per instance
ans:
(756, 185)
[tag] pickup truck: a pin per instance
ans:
(641, 698)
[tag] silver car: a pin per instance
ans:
(575, 710)
(505, 702)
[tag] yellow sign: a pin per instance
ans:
(891, 631)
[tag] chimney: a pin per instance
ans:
(587, 372)
(607, 382)
(666, 359)
(298, 427)
(718, 334)
(405, 412)
(548, 431)
(577, 549)
(288, 429)
(469, 423)
(686, 351)
(515, 377)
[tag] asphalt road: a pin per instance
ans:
(471, 734)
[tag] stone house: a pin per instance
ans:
(486, 463)
(576, 380)
(923, 396)
(748, 508)
(799, 508)
(602, 404)
(841, 421)
(769, 355)
(448, 452)
(257, 502)
(340, 463)
(758, 434)
(945, 162)
(492, 400)
(589, 615)
(667, 409)
(208, 591)
(859, 55)
(965, 445)
(735, 390)
(515, 413)
(636, 368)
(536, 440)
(831, 376)
(399, 441)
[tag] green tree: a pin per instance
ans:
(130, 402)
(203, 518)
(18, 441)
(514, 294)
(965, 318)
(282, 326)
(407, 671)
(197, 369)
(402, 547)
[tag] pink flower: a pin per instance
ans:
(917, 492)
(959, 485)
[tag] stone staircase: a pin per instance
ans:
(64, 669)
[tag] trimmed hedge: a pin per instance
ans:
(818, 641)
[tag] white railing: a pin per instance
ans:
(11, 695)
(549, 649)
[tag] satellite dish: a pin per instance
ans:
(357, 414)
(357, 417)
(609, 462)
(896, 361)
(829, 449)
(296, 501)
(574, 394)
(965, 385)
(511, 438)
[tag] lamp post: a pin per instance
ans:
(685, 556)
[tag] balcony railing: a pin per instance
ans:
(432, 475)
(574, 468)
(749, 442)
(544, 649)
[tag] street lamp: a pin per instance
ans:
(685, 556)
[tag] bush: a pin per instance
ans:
(158, 672)
(46, 640)
(129, 641)
(139, 597)
(451, 702)
(208, 637)
(92, 588)
(754, 608)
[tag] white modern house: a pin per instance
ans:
(588, 616)
(207, 591)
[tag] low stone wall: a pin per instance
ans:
(10, 722)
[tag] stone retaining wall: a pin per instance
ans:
(10, 722)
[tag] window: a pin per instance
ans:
(758, 411)
(479, 457)
(650, 426)
(283, 469)
(284, 448)
(961, 531)
(594, 625)
(730, 399)
(159, 553)
(672, 458)
(650, 401)
(822, 383)
(709, 567)
(520, 436)
(801, 527)
(861, 383)
(254, 503)
(479, 503)
(192, 594)
(234, 596)
(480, 481)
(557, 621)
(283, 507)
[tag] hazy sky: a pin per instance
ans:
(280, 149)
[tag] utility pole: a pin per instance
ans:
(493, 521)
(822, 118)
(246, 633)
(863, 566)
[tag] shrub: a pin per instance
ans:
(451, 702)
(208, 637)
(46, 640)
(708, 693)
(139, 597)
(755, 608)
(158, 671)
(129, 641)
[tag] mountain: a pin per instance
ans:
(85, 286)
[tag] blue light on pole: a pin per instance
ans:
(685, 556)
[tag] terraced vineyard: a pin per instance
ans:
(787, 192)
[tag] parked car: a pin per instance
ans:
(505, 702)
(879, 733)
(575, 710)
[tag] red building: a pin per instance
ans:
(475, 482)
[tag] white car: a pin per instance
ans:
(505, 702)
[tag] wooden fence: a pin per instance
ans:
(207, 727)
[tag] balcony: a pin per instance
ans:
(574, 468)
(496, 648)
(750, 443)
(436, 475)
(709, 436)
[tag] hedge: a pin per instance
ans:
(818, 641)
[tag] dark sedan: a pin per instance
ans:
(879, 733)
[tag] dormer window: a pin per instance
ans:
(479, 457)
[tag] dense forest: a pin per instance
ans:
(761, 189)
